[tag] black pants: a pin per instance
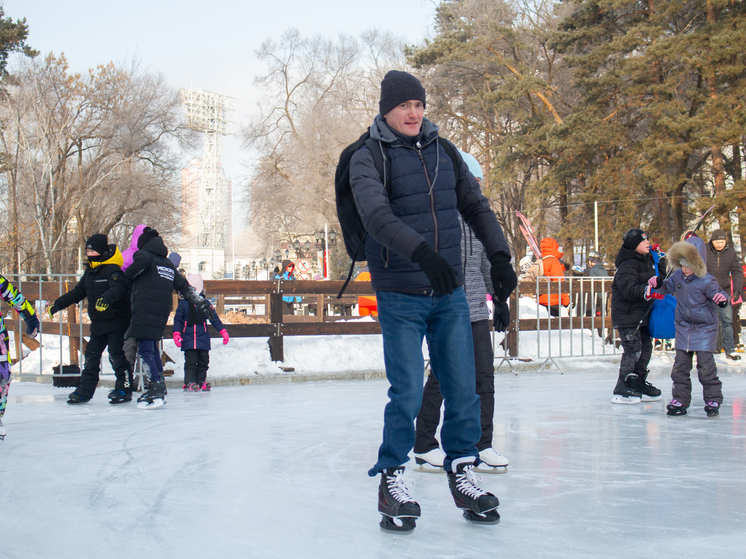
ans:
(638, 347)
(90, 374)
(429, 416)
(196, 362)
(712, 387)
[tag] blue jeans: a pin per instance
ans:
(151, 358)
(444, 320)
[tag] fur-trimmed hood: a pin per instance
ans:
(688, 252)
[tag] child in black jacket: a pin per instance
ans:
(153, 278)
(105, 287)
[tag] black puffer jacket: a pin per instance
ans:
(628, 303)
(153, 279)
(423, 205)
(102, 279)
(723, 265)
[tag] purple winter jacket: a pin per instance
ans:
(696, 316)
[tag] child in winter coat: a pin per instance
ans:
(108, 294)
(697, 293)
(191, 335)
(153, 278)
(13, 297)
(288, 303)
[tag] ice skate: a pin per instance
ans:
(712, 409)
(675, 408)
(732, 358)
(77, 397)
(2, 430)
(479, 506)
(120, 396)
(430, 461)
(192, 387)
(625, 393)
(492, 462)
(649, 392)
(154, 395)
(206, 386)
(396, 504)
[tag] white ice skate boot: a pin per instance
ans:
(2, 430)
(431, 461)
(492, 462)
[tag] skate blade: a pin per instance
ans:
(429, 468)
(487, 469)
(145, 405)
(619, 399)
(406, 525)
(488, 517)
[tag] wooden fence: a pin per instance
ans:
(321, 295)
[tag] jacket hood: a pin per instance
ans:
(627, 254)
(687, 251)
(550, 247)
(380, 131)
(115, 258)
(156, 246)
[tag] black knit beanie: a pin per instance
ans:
(719, 235)
(145, 236)
(633, 238)
(398, 87)
(98, 242)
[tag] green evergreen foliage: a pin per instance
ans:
(13, 37)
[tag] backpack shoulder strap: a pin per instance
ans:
(380, 161)
(452, 152)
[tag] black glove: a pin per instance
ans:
(441, 274)
(722, 304)
(102, 304)
(32, 325)
(501, 316)
(504, 280)
(204, 309)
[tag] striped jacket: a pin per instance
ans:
(14, 298)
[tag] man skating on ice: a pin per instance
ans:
(414, 257)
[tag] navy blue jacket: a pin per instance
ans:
(423, 205)
(195, 336)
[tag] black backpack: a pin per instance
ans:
(353, 232)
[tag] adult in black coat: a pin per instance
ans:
(153, 278)
(630, 303)
(104, 285)
(724, 264)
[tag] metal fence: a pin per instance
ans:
(581, 328)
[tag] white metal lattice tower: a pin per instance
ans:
(207, 112)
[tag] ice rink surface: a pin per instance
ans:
(280, 471)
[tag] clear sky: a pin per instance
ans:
(204, 44)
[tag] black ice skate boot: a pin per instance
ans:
(154, 395)
(712, 409)
(395, 502)
(77, 397)
(122, 390)
(649, 392)
(478, 505)
(625, 391)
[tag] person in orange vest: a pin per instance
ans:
(553, 268)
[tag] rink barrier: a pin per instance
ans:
(572, 333)
(541, 332)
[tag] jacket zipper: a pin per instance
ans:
(418, 148)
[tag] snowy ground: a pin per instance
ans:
(279, 470)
